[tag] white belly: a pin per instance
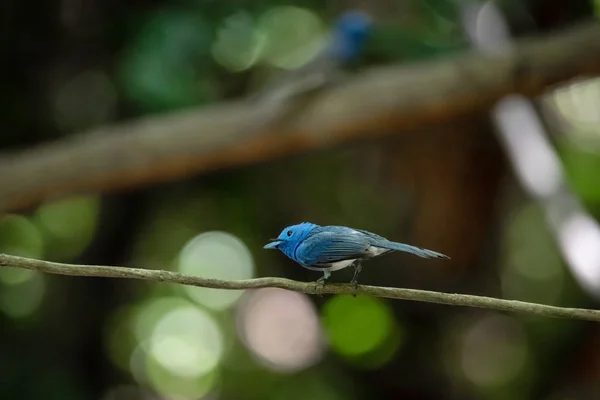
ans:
(376, 251)
(336, 266)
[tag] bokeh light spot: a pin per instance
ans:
(578, 103)
(150, 372)
(238, 42)
(23, 290)
(149, 313)
(15, 276)
(178, 387)
(20, 237)
(179, 354)
(187, 342)
(281, 328)
(293, 35)
(119, 336)
(22, 299)
(357, 326)
(533, 269)
(494, 351)
(218, 255)
(138, 362)
(71, 224)
(581, 160)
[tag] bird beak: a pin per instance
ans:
(272, 245)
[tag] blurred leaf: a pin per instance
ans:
(582, 168)
(168, 65)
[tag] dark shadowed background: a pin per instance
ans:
(448, 185)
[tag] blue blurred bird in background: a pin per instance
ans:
(286, 95)
(331, 248)
(349, 36)
(345, 43)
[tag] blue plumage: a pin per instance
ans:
(331, 248)
(349, 36)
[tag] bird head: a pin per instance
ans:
(350, 34)
(289, 238)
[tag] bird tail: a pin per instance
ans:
(411, 249)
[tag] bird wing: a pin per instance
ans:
(371, 235)
(327, 247)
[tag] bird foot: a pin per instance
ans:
(355, 283)
(319, 284)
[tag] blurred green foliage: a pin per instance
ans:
(177, 56)
(582, 166)
(172, 55)
(21, 237)
(168, 64)
(362, 329)
(69, 225)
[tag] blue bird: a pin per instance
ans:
(349, 36)
(332, 248)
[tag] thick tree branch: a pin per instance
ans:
(379, 101)
(304, 287)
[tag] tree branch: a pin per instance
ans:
(379, 101)
(489, 303)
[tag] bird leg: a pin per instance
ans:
(357, 269)
(320, 283)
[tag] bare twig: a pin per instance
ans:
(304, 287)
(378, 101)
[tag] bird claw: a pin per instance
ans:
(319, 285)
(355, 283)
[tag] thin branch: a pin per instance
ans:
(376, 102)
(303, 287)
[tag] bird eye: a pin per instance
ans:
(289, 233)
